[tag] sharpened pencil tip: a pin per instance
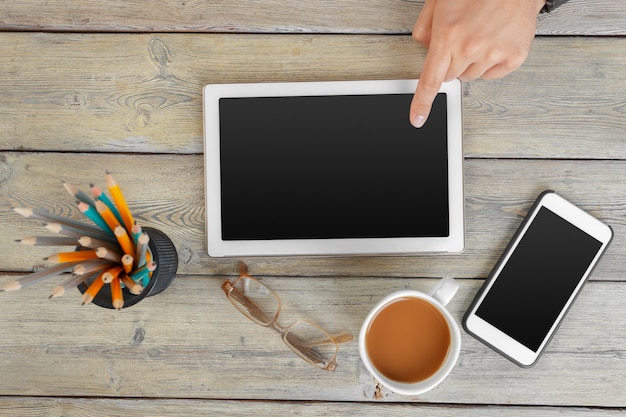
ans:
(11, 286)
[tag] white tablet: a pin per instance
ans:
(331, 168)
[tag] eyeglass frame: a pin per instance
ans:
(228, 287)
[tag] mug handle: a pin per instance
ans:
(445, 289)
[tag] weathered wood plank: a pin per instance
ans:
(189, 342)
(143, 93)
(34, 407)
(498, 193)
(578, 17)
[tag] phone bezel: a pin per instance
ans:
(500, 341)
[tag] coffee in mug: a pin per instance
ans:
(409, 341)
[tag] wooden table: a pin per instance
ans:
(88, 86)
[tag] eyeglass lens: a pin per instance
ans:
(262, 305)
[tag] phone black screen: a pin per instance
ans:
(321, 167)
(538, 279)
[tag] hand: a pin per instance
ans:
(470, 39)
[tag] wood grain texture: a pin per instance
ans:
(577, 17)
(190, 342)
(169, 194)
(88, 86)
(143, 93)
(35, 407)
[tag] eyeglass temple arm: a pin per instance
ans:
(340, 338)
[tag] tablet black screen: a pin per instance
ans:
(319, 167)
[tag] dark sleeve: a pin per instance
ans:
(551, 5)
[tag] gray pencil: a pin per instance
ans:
(72, 282)
(48, 241)
(78, 194)
(38, 276)
(54, 218)
(66, 230)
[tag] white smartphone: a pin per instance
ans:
(537, 278)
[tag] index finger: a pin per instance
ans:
(433, 74)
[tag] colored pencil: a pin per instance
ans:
(134, 287)
(111, 274)
(72, 282)
(94, 216)
(93, 265)
(30, 213)
(107, 215)
(48, 241)
(142, 248)
(77, 193)
(136, 232)
(124, 240)
(99, 195)
(94, 243)
(127, 263)
(120, 202)
(115, 249)
(66, 230)
(93, 289)
(35, 277)
(117, 298)
(143, 274)
(81, 255)
(111, 255)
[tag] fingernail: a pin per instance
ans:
(418, 121)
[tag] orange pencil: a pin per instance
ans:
(120, 202)
(81, 255)
(117, 298)
(124, 240)
(111, 274)
(107, 215)
(127, 263)
(134, 287)
(92, 290)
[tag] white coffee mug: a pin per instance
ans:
(438, 297)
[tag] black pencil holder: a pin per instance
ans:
(164, 254)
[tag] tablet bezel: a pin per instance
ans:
(216, 247)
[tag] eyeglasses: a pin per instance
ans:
(262, 305)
